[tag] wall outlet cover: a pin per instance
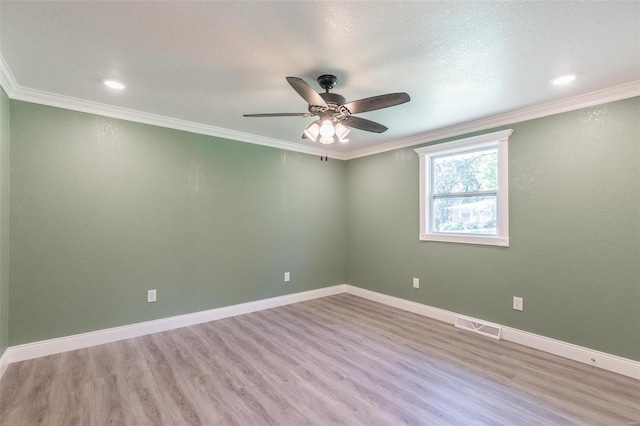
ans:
(416, 283)
(151, 295)
(518, 303)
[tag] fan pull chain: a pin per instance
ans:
(323, 154)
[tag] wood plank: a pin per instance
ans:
(336, 360)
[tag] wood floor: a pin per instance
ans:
(335, 360)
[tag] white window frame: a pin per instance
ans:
(497, 139)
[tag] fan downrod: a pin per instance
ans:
(327, 81)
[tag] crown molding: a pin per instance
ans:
(611, 94)
(15, 91)
(7, 80)
(81, 105)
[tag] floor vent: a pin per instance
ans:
(479, 327)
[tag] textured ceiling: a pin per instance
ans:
(210, 62)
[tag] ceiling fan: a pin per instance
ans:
(335, 115)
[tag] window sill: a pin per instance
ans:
(466, 239)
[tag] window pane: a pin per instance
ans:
(465, 215)
(466, 172)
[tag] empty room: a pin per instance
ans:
(318, 213)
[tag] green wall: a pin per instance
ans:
(4, 221)
(104, 209)
(574, 252)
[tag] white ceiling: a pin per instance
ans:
(207, 63)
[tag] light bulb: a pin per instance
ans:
(325, 140)
(563, 78)
(327, 130)
(113, 84)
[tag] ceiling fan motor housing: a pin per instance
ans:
(327, 81)
(333, 98)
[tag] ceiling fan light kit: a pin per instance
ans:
(335, 119)
(326, 132)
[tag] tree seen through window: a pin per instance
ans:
(464, 192)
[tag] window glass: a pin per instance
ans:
(465, 215)
(464, 190)
(466, 172)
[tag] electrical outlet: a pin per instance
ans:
(151, 295)
(416, 283)
(287, 277)
(518, 303)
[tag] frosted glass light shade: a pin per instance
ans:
(342, 132)
(326, 141)
(327, 130)
(313, 131)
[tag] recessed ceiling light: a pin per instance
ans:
(563, 78)
(113, 84)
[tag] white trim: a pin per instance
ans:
(4, 362)
(503, 185)
(464, 239)
(581, 354)
(616, 364)
(404, 304)
(7, 80)
(84, 340)
(613, 363)
(75, 104)
(8, 83)
(497, 140)
(474, 141)
(17, 92)
(615, 93)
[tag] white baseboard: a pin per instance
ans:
(4, 362)
(581, 354)
(84, 340)
(616, 364)
(405, 305)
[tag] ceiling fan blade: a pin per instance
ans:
(280, 114)
(363, 124)
(302, 87)
(377, 102)
(304, 136)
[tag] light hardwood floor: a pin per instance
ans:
(335, 360)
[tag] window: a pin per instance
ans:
(464, 190)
